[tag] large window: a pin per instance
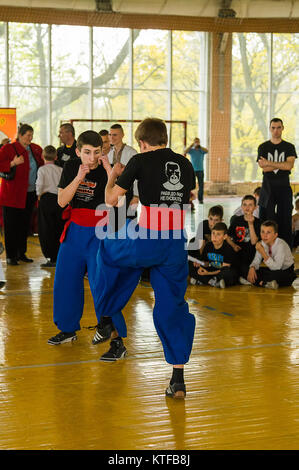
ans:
(56, 73)
(264, 85)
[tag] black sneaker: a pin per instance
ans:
(117, 351)
(12, 262)
(176, 391)
(25, 259)
(62, 338)
(103, 333)
(2, 284)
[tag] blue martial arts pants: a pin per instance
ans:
(120, 263)
(77, 253)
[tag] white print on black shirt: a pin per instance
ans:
(173, 184)
(86, 190)
(65, 157)
(173, 173)
(276, 158)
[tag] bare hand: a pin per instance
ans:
(263, 162)
(202, 271)
(249, 217)
(17, 160)
(237, 248)
(259, 247)
(252, 277)
(82, 172)
(118, 169)
(103, 160)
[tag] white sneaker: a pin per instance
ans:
(213, 282)
(244, 281)
(222, 284)
(271, 285)
(192, 281)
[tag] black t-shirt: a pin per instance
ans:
(277, 153)
(164, 177)
(64, 154)
(216, 257)
(91, 192)
(239, 232)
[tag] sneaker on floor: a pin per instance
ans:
(2, 284)
(25, 259)
(1, 248)
(103, 333)
(176, 391)
(244, 281)
(222, 284)
(195, 282)
(213, 282)
(62, 337)
(49, 264)
(117, 351)
(271, 285)
(12, 262)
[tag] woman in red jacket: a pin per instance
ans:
(17, 196)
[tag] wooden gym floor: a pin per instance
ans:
(242, 379)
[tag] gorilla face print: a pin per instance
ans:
(173, 173)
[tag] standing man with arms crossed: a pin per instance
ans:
(164, 178)
(276, 157)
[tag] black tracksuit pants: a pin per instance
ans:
(50, 225)
(16, 227)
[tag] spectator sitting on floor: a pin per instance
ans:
(276, 254)
(218, 261)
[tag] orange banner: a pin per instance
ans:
(8, 123)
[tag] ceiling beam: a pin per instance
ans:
(172, 22)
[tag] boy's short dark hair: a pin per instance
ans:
(249, 197)
(257, 190)
(49, 153)
(103, 132)
(270, 223)
(220, 227)
(69, 127)
(216, 211)
(89, 138)
(152, 131)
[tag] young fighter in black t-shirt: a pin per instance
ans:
(276, 157)
(165, 180)
(81, 189)
(218, 266)
(244, 232)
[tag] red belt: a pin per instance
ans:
(83, 217)
(161, 218)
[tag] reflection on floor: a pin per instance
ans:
(242, 378)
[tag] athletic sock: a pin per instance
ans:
(177, 376)
(106, 321)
